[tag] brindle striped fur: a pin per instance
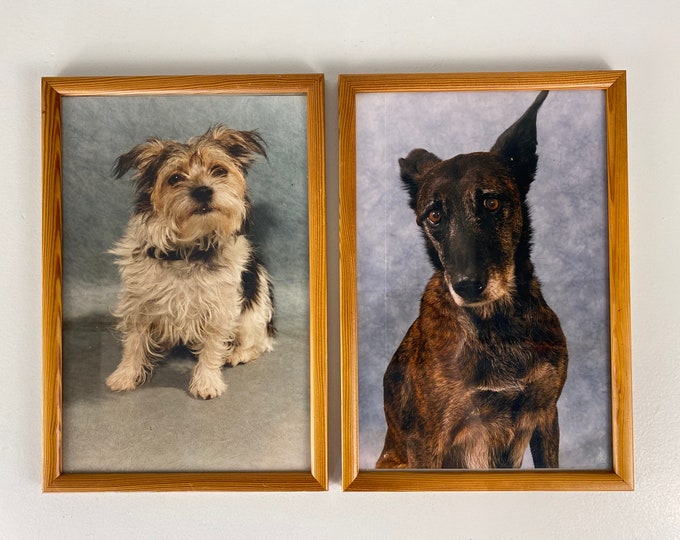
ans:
(477, 377)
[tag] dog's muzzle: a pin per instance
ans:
(466, 290)
(469, 289)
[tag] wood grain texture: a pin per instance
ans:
(52, 284)
(186, 84)
(54, 480)
(318, 285)
(619, 280)
(481, 82)
(519, 480)
(348, 280)
(207, 481)
(621, 476)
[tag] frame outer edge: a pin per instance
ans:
(621, 478)
(52, 284)
(619, 263)
(318, 287)
(348, 299)
(54, 480)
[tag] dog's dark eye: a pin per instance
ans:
(218, 171)
(434, 216)
(492, 204)
(175, 179)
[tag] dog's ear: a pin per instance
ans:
(517, 144)
(412, 170)
(146, 159)
(243, 146)
(140, 157)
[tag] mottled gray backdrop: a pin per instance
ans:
(569, 208)
(262, 421)
(96, 130)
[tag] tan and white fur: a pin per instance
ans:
(190, 275)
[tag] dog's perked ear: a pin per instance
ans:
(517, 145)
(243, 146)
(412, 170)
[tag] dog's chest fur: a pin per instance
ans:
(499, 369)
(182, 298)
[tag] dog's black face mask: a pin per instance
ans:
(473, 213)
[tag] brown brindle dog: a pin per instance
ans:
(477, 377)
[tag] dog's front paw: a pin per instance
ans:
(242, 356)
(206, 383)
(125, 378)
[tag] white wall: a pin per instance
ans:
(43, 38)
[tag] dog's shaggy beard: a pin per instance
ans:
(181, 223)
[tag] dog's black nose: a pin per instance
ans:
(469, 289)
(202, 194)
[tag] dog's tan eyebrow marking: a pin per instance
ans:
(435, 204)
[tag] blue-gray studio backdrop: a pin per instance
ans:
(569, 215)
(262, 421)
(96, 207)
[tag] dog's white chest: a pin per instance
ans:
(182, 301)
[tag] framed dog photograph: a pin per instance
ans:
(485, 324)
(184, 288)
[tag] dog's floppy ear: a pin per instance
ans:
(517, 144)
(243, 146)
(412, 169)
(140, 157)
(146, 159)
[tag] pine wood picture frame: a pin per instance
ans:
(355, 151)
(55, 91)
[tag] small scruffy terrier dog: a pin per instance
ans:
(190, 275)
